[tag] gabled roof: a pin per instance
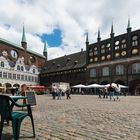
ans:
(67, 62)
(19, 47)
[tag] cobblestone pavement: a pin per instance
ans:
(84, 117)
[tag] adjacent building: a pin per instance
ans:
(69, 68)
(18, 64)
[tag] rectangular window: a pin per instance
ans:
(93, 73)
(26, 77)
(35, 79)
(29, 78)
(105, 71)
(18, 76)
(10, 75)
(14, 76)
(102, 50)
(4, 74)
(136, 68)
(32, 79)
(22, 77)
(1, 74)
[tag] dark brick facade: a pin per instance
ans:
(69, 68)
(122, 50)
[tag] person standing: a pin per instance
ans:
(13, 91)
(54, 91)
(111, 91)
(59, 94)
(68, 93)
(17, 91)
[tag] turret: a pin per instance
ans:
(45, 51)
(87, 42)
(99, 37)
(128, 26)
(112, 31)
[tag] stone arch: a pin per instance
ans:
(132, 86)
(8, 86)
(16, 85)
(1, 88)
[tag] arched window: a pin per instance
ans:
(105, 71)
(136, 68)
(119, 70)
(33, 70)
(123, 44)
(22, 69)
(2, 64)
(134, 40)
(18, 67)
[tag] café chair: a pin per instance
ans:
(15, 117)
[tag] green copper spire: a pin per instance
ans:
(45, 47)
(23, 35)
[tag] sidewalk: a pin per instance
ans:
(84, 117)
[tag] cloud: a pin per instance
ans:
(72, 17)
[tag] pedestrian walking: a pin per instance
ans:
(105, 92)
(118, 92)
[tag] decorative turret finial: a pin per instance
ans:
(87, 42)
(23, 41)
(128, 26)
(99, 37)
(112, 30)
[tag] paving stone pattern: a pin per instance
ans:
(84, 117)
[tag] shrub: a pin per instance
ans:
(39, 93)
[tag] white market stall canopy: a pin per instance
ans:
(79, 86)
(115, 85)
(98, 86)
(95, 86)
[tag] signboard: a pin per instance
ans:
(31, 98)
(62, 85)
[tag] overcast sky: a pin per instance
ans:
(63, 23)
